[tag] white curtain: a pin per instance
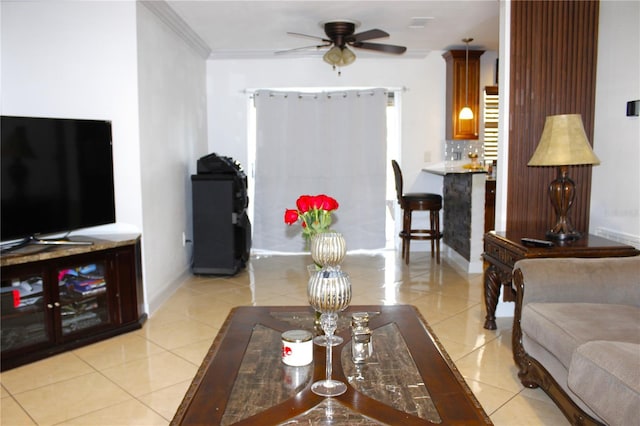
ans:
(331, 143)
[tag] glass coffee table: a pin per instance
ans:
(410, 379)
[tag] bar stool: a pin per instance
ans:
(415, 201)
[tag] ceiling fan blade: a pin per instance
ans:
(368, 35)
(314, 47)
(309, 36)
(387, 48)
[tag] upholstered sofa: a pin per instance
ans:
(576, 335)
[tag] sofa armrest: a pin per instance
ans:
(603, 280)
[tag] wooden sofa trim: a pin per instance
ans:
(532, 374)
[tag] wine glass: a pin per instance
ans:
(329, 292)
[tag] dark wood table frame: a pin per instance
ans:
(206, 398)
(503, 249)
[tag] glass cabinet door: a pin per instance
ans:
(83, 297)
(23, 312)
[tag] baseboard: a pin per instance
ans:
(474, 266)
(621, 237)
(164, 295)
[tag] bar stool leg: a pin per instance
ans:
(432, 234)
(406, 237)
(435, 228)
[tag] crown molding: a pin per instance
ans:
(162, 10)
(167, 14)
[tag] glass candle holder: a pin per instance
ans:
(361, 342)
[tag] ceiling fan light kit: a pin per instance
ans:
(348, 56)
(340, 35)
(339, 57)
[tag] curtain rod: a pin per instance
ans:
(329, 95)
(328, 92)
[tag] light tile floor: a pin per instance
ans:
(140, 378)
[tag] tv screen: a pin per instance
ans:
(56, 175)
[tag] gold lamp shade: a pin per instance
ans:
(563, 143)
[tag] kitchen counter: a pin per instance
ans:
(450, 167)
(463, 224)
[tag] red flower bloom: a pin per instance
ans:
(304, 203)
(316, 202)
(314, 212)
(290, 216)
(327, 203)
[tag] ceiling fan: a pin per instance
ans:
(341, 34)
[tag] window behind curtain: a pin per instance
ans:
(311, 143)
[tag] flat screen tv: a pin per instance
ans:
(56, 176)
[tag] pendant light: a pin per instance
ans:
(466, 113)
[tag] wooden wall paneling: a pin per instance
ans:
(553, 70)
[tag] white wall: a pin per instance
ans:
(423, 102)
(615, 194)
(502, 176)
(66, 60)
(173, 135)
(117, 61)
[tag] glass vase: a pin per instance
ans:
(328, 248)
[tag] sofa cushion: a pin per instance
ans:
(579, 280)
(606, 376)
(562, 327)
(556, 370)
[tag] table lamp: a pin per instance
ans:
(563, 143)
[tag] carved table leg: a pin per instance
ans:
(492, 284)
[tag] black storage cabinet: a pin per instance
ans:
(221, 227)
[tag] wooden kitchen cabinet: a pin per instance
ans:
(457, 129)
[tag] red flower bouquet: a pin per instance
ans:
(314, 212)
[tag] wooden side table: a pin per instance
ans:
(503, 249)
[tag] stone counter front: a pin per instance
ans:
(457, 189)
(463, 193)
